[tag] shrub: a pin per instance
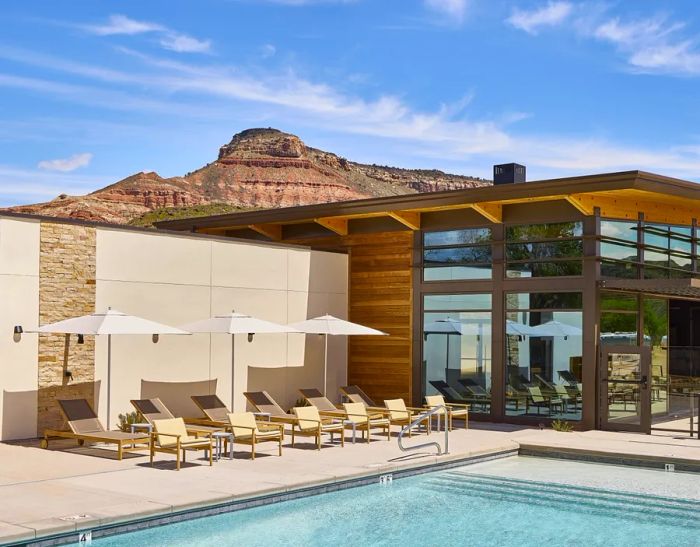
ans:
(561, 425)
(125, 421)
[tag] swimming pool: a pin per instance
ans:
(504, 502)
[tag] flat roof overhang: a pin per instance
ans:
(614, 195)
(683, 289)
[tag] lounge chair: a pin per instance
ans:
(450, 394)
(454, 410)
(401, 415)
(480, 395)
(568, 377)
(265, 404)
(315, 398)
(246, 430)
(309, 424)
(356, 416)
(537, 399)
(85, 426)
(213, 408)
(171, 437)
(154, 409)
(355, 394)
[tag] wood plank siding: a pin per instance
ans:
(381, 297)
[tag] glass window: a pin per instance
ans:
(441, 302)
(667, 250)
(544, 346)
(457, 254)
(457, 349)
(544, 250)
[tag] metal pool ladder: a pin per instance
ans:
(421, 417)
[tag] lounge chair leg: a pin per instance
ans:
(342, 438)
(280, 447)
(318, 441)
(120, 451)
(292, 436)
(252, 451)
(151, 452)
(211, 456)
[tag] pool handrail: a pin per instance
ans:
(419, 419)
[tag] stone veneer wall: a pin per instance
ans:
(66, 289)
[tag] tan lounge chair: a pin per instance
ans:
(315, 398)
(213, 408)
(454, 410)
(356, 416)
(171, 437)
(247, 431)
(401, 415)
(309, 424)
(154, 409)
(263, 403)
(85, 426)
(354, 394)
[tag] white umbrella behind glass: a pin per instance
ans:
(109, 323)
(236, 323)
(329, 325)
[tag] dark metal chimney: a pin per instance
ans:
(508, 173)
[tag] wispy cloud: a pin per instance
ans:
(549, 15)
(66, 165)
(19, 186)
(449, 132)
(121, 24)
(653, 44)
(455, 9)
(170, 39)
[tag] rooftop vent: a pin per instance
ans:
(508, 173)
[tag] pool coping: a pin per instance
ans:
(615, 458)
(141, 522)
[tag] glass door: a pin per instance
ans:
(625, 400)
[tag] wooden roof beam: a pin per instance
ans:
(407, 218)
(337, 225)
(273, 231)
(493, 212)
(584, 206)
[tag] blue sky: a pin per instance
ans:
(91, 92)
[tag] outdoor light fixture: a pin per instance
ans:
(250, 336)
(81, 339)
(17, 336)
(155, 338)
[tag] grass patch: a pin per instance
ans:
(174, 213)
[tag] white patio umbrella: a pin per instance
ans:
(556, 328)
(329, 325)
(236, 323)
(109, 323)
(513, 328)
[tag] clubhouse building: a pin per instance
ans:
(575, 299)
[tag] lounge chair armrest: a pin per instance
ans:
(458, 405)
(158, 434)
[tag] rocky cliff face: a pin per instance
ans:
(260, 168)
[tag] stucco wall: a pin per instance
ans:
(177, 279)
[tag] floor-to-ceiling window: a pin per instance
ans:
(544, 348)
(457, 348)
(457, 254)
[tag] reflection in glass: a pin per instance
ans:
(544, 250)
(623, 395)
(544, 355)
(457, 254)
(457, 351)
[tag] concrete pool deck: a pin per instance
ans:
(67, 488)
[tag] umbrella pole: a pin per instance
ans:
(233, 372)
(109, 379)
(325, 364)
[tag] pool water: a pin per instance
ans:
(500, 503)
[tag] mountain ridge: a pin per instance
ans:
(258, 168)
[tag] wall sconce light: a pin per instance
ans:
(155, 338)
(250, 336)
(81, 339)
(18, 330)
(68, 374)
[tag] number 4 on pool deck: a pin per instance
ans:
(85, 538)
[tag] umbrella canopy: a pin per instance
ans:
(236, 323)
(329, 325)
(109, 323)
(556, 328)
(513, 328)
(454, 326)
